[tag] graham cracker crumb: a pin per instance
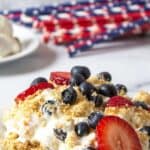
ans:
(137, 117)
(71, 140)
(145, 140)
(82, 107)
(142, 96)
(12, 143)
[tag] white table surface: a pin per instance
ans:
(17, 4)
(128, 63)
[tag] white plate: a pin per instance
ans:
(28, 45)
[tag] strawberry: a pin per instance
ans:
(118, 101)
(60, 78)
(114, 133)
(31, 90)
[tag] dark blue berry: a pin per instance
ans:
(106, 76)
(108, 90)
(86, 88)
(121, 88)
(48, 107)
(69, 96)
(146, 129)
(94, 118)
(60, 134)
(76, 79)
(97, 99)
(141, 104)
(89, 148)
(38, 80)
(82, 129)
(84, 71)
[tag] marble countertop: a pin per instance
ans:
(128, 62)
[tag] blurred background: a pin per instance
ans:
(7, 4)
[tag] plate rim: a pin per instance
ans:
(31, 47)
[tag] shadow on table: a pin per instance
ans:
(40, 59)
(108, 47)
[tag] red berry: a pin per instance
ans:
(31, 90)
(60, 78)
(118, 101)
(114, 133)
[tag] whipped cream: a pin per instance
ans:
(5, 26)
(47, 137)
(53, 124)
(8, 45)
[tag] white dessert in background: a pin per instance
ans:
(5, 26)
(9, 45)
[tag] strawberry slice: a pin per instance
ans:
(31, 90)
(114, 133)
(118, 101)
(60, 78)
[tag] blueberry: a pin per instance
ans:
(38, 80)
(69, 96)
(108, 90)
(141, 104)
(146, 129)
(76, 79)
(86, 88)
(84, 71)
(121, 88)
(98, 100)
(106, 76)
(48, 107)
(82, 129)
(94, 118)
(89, 148)
(60, 134)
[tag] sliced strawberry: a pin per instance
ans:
(118, 101)
(114, 133)
(31, 90)
(60, 78)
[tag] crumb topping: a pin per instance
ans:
(11, 143)
(31, 124)
(143, 96)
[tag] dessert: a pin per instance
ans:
(5, 26)
(8, 44)
(77, 111)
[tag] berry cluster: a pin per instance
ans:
(79, 76)
(109, 129)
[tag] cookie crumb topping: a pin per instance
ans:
(64, 113)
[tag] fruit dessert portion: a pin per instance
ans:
(76, 111)
(8, 44)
